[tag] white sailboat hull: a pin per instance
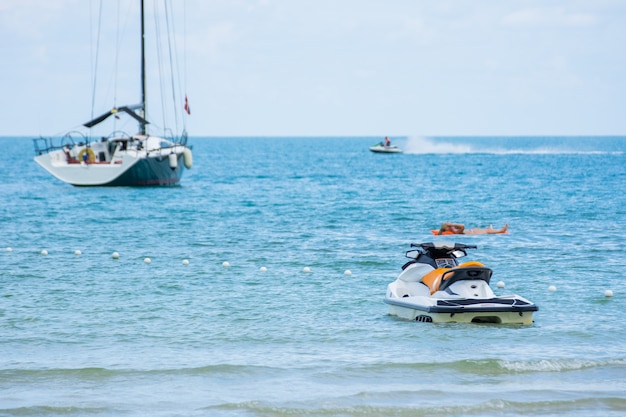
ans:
(81, 173)
(144, 164)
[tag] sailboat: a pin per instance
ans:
(120, 158)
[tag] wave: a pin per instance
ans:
(589, 406)
(466, 366)
(8, 375)
(497, 366)
(362, 405)
(419, 145)
(54, 410)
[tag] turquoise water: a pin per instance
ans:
(90, 335)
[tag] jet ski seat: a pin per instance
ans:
(415, 272)
(409, 280)
(441, 278)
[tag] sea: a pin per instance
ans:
(256, 286)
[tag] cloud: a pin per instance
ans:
(549, 17)
(213, 39)
(30, 19)
(412, 28)
(326, 67)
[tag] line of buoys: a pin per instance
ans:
(115, 255)
(147, 260)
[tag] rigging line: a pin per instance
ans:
(184, 71)
(160, 63)
(122, 22)
(121, 25)
(173, 67)
(95, 62)
(142, 65)
(185, 47)
(117, 55)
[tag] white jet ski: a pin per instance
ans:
(382, 148)
(435, 287)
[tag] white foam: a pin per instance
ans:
(556, 365)
(424, 145)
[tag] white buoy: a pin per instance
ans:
(147, 260)
(9, 250)
(187, 158)
(608, 293)
(552, 288)
(77, 252)
(500, 284)
(185, 261)
(226, 264)
(173, 160)
(347, 272)
(115, 255)
(44, 252)
(263, 269)
(306, 269)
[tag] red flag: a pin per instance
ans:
(187, 105)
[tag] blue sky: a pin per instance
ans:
(337, 67)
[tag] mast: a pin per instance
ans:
(142, 125)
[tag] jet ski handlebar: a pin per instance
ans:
(443, 245)
(437, 249)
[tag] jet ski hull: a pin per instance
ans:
(385, 149)
(500, 310)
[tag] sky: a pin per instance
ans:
(331, 67)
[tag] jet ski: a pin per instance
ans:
(382, 148)
(434, 287)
